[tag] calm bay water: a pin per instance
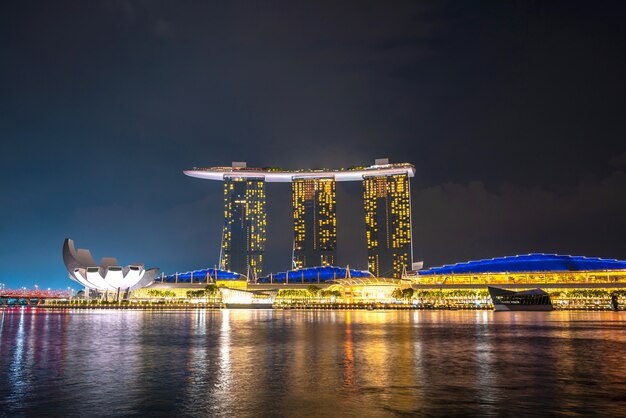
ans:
(311, 363)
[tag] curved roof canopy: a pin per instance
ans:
(278, 175)
(313, 275)
(529, 263)
(199, 276)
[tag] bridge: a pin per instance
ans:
(30, 297)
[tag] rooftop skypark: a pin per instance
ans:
(280, 175)
(386, 204)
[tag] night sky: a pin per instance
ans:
(512, 112)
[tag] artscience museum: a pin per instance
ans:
(108, 275)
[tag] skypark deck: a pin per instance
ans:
(278, 175)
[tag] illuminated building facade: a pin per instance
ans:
(108, 275)
(314, 222)
(244, 235)
(528, 269)
(387, 205)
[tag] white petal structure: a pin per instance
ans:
(97, 280)
(108, 275)
(134, 274)
(81, 276)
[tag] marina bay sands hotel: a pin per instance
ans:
(386, 203)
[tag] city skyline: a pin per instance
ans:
(312, 208)
(511, 113)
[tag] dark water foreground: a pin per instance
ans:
(310, 363)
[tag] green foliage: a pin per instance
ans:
(406, 293)
(310, 292)
(450, 293)
(588, 293)
(210, 291)
(195, 293)
(330, 293)
(293, 293)
(159, 293)
(313, 290)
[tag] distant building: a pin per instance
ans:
(387, 205)
(314, 222)
(244, 234)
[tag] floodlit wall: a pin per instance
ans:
(617, 276)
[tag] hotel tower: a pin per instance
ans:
(387, 205)
(314, 222)
(244, 234)
(386, 199)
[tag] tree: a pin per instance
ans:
(330, 293)
(313, 290)
(293, 293)
(407, 293)
(158, 293)
(195, 293)
(211, 290)
(397, 293)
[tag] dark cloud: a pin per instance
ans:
(618, 161)
(512, 113)
(456, 222)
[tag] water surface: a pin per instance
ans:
(311, 363)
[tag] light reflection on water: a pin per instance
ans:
(311, 363)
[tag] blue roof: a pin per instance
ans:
(199, 276)
(312, 275)
(528, 263)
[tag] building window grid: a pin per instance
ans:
(314, 199)
(247, 208)
(390, 194)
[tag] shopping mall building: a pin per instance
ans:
(571, 280)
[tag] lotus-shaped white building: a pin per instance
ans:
(107, 276)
